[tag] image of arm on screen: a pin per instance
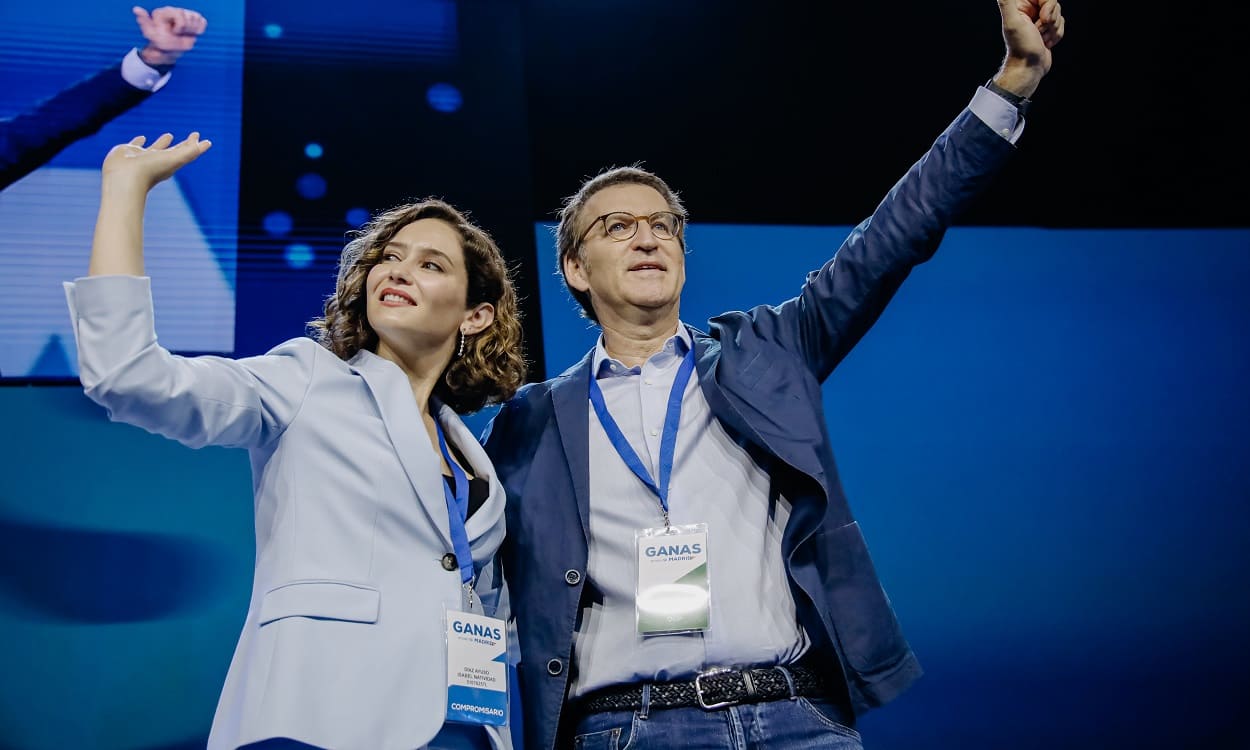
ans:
(30, 139)
(371, 495)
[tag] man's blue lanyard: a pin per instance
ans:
(668, 442)
(457, 510)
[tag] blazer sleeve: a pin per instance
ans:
(197, 401)
(840, 302)
(32, 138)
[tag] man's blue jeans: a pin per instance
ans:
(784, 724)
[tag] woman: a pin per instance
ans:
(376, 510)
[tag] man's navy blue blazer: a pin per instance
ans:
(761, 373)
(29, 140)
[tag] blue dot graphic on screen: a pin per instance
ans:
(311, 186)
(273, 30)
(278, 223)
(313, 151)
(299, 255)
(444, 97)
(357, 216)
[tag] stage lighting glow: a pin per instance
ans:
(443, 97)
(311, 186)
(313, 151)
(357, 216)
(278, 223)
(299, 255)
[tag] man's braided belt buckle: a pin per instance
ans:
(711, 689)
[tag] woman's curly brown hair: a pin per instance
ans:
(493, 365)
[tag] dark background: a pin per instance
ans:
(800, 114)
(782, 113)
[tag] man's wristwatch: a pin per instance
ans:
(1021, 103)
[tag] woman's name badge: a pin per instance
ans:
(672, 594)
(477, 669)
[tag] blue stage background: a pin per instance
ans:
(1045, 439)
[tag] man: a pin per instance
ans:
(673, 504)
(32, 138)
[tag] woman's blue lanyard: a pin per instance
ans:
(668, 442)
(457, 510)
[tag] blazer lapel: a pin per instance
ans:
(804, 517)
(742, 416)
(402, 418)
(485, 527)
(570, 397)
(706, 360)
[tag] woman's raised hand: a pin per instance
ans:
(129, 172)
(133, 166)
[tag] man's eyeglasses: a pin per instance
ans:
(620, 226)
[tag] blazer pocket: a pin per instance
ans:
(755, 370)
(328, 600)
(871, 637)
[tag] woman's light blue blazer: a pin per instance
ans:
(343, 645)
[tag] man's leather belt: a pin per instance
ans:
(711, 689)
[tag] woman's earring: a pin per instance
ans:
(461, 352)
